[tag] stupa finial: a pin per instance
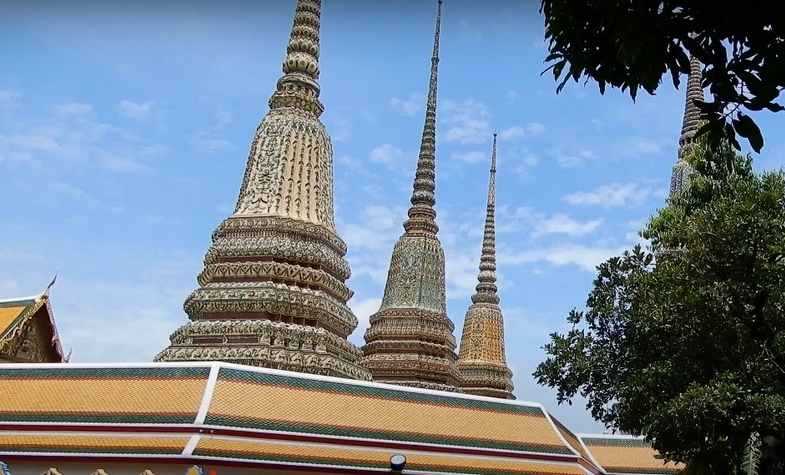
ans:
(299, 86)
(486, 290)
(422, 216)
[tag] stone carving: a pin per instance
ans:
(273, 292)
(481, 362)
(410, 339)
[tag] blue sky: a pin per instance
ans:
(124, 133)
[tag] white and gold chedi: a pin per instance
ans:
(273, 292)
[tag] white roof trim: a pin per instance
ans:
(611, 436)
(20, 299)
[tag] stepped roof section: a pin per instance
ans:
(226, 414)
(410, 339)
(621, 455)
(273, 290)
(28, 333)
(481, 360)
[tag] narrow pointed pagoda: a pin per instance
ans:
(410, 339)
(273, 292)
(481, 361)
(690, 125)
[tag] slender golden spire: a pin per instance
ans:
(422, 215)
(486, 286)
(481, 362)
(410, 340)
(690, 125)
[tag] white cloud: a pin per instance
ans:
(72, 137)
(518, 132)
(211, 138)
(646, 146)
(612, 195)
(467, 122)
(408, 106)
(573, 159)
(376, 230)
(541, 224)
(208, 144)
(362, 309)
(387, 154)
(135, 110)
(563, 224)
(73, 109)
(340, 129)
(470, 157)
(584, 257)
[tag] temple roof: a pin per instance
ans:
(619, 454)
(22, 318)
(225, 413)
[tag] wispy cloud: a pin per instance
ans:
(614, 195)
(470, 157)
(212, 138)
(572, 158)
(540, 224)
(467, 122)
(581, 256)
(135, 110)
(387, 154)
(517, 132)
(362, 309)
(72, 136)
(564, 224)
(73, 109)
(408, 106)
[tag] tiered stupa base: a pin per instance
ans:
(272, 294)
(411, 347)
(277, 345)
(485, 379)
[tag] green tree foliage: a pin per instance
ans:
(631, 44)
(685, 342)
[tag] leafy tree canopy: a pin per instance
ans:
(631, 44)
(688, 348)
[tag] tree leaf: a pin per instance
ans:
(748, 129)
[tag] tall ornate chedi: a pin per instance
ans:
(481, 361)
(273, 292)
(410, 339)
(690, 125)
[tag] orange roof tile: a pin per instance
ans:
(626, 454)
(218, 412)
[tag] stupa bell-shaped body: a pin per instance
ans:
(481, 361)
(272, 292)
(410, 339)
